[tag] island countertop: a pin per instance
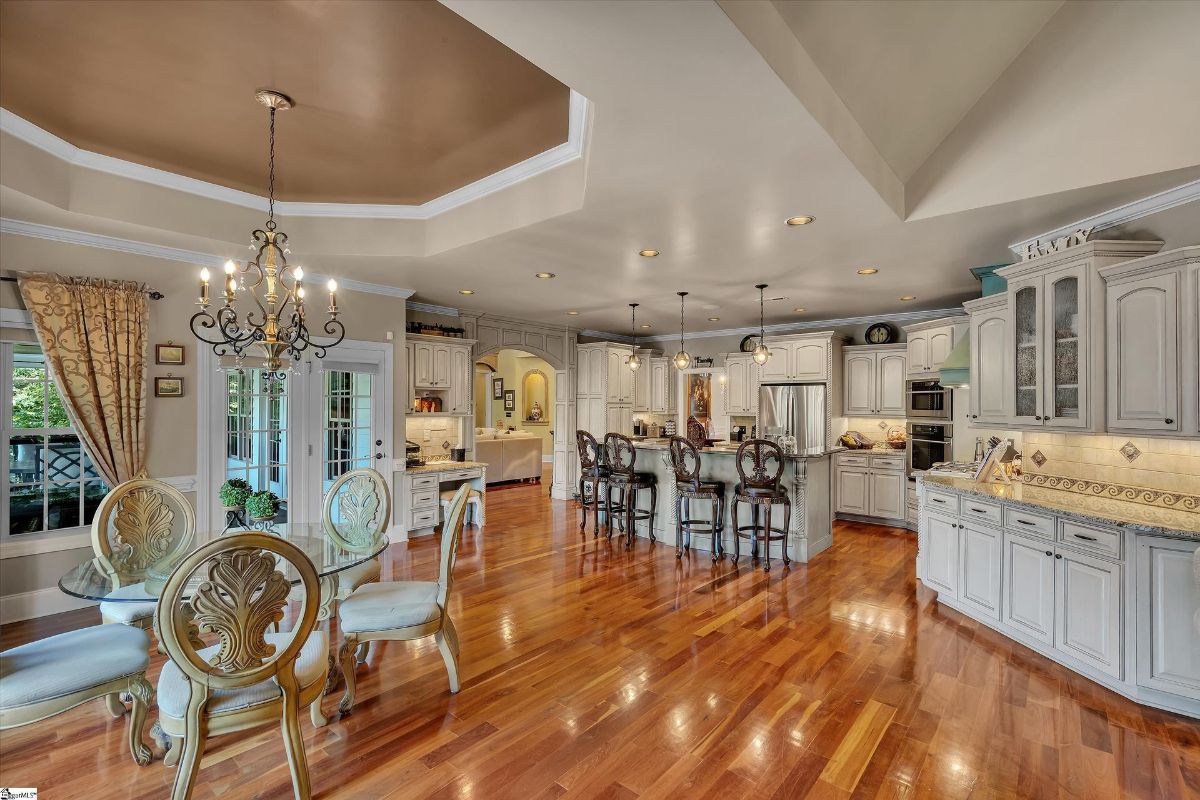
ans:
(731, 448)
(1137, 517)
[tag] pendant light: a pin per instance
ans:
(682, 359)
(633, 362)
(761, 353)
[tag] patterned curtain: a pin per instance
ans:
(95, 336)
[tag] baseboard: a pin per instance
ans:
(38, 603)
(397, 533)
(891, 523)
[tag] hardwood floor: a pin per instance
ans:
(593, 672)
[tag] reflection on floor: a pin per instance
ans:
(589, 671)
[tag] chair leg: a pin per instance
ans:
(444, 639)
(766, 537)
(315, 714)
(678, 526)
(173, 752)
(346, 656)
(583, 504)
(142, 693)
(654, 510)
(293, 740)
(114, 704)
(360, 655)
(754, 515)
(787, 527)
(193, 746)
(630, 519)
(737, 532)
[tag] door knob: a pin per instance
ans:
(379, 442)
(378, 456)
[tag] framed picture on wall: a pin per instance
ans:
(510, 400)
(168, 353)
(169, 386)
(497, 388)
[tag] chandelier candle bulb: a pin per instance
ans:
(204, 276)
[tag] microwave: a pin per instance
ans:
(928, 399)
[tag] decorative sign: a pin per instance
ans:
(1036, 249)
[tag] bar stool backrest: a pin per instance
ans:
(621, 453)
(696, 433)
(590, 455)
(685, 460)
(759, 464)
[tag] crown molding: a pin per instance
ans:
(51, 233)
(790, 327)
(610, 337)
(565, 153)
(430, 308)
(1121, 215)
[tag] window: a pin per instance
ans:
(347, 423)
(51, 483)
(256, 446)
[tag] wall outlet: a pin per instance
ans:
(428, 435)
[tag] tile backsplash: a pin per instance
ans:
(436, 435)
(1167, 464)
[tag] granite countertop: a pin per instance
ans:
(444, 466)
(1137, 517)
(731, 448)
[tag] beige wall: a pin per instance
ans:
(512, 365)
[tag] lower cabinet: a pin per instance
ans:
(1168, 600)
(979, 568)
(941, 553)
(887, 495)
(1087, 605)
(871, 485)
(853, 491)
(1029, 586)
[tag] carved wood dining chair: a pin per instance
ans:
(593, 479)
(760, 466)
(142, 528)
(355, 514)
(234, 588)
(685, 461)
(400, 611)
(628, 483)
(50, 676)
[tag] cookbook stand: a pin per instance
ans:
(992, 466)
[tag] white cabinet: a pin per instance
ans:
(918, 353)
(1028, 595)
(1087, 606)
(887, 495)
(620, 376)
(798, 359)
(460, 381)
(941, 553)
(1168, 600)
(853, 490)
(442, 357)
(873, 381)
(605, 388)
(422, 366)
(871, 485)
(442, 368)
(619, 420)
(929, 343)
(741, 385)
(989, 361)
(662, 386)
(642, 380)
(979, 568)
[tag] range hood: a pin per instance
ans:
(956, 369)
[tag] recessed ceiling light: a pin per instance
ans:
(572, 313)
(799, 310)
(544, 275)
(647, 325)
(466, 291)
(867, 271)
(908, 297)
(714, 319)
(799, 220)
(648, 253)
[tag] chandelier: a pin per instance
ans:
(274, 324)
(633, 362)
(762, 352)
(682, 359)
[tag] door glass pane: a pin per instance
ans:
(1066, 347)
(256, 432)
(347, 435)
(1025, 317)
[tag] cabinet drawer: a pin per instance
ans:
(424, 498)
(423, 482)
(979, 510)
(887, 462)
(424, 518)
(1100, 541)
(1018, 519)
(849, 460)
(461, 475)
(942, 501)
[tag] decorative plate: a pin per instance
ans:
(880, 333)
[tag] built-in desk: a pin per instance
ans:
(421, 488)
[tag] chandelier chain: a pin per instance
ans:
(271, 176)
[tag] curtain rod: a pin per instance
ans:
(153, 294)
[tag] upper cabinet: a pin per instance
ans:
(1151, 313)
(989, 363)
(642, 380)
(443, 368)
(874, 380)
(741, 385)
(661, 386)
(461, 373)
(620, 376)
(930, 342)
(802, 358)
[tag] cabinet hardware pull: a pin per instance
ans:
(1085, 538)
(1026, 522)
(1049, 553)
(1169, 421)
(937, 500)
(1059, 555)
(977, 510)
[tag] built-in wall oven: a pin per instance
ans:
(929, 443)
(928, 399)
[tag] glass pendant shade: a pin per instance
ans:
(761, 354)
(682, 359)
(633, 362)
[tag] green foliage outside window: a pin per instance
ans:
(30, 385)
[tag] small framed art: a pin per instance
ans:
(497, 388)
(168, 353)
(169, 386)
(510, 400)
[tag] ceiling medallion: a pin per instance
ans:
(280, 333)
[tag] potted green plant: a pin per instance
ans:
(234, 493)
(262, 506)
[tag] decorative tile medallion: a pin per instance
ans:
(1117, 491)
(1038, 458)
(1130, 451)
(883, 426)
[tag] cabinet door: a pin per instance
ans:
(989, 333)
(1087, 610)
(592, 417)
(890, 374)
(887, 495)
(1028, 596)
(597, 365)
(979, 568)
(1143, 354)
(1066, 350)
(859, 384)
(628, 379)
(1025, 300)
(1168, 600)
(423, 376)
(441, 366)
(810, 361)
(658, 386)
(918, 353)
(779, 365)
(941, 342)
(735, 385)
(750, 390)
(460, 380)
(411, 367)
(642, 382)
(853, 491)
(616, 363)
(941, 553)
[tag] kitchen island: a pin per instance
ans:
(806, 476)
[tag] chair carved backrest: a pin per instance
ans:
(140, 525)
(621, 454)
(357, 509)
(452, 527)
(696, 433)
(591, 456)
(685, 460)
(233, 588)
(760, 465)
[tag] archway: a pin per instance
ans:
(517, 414)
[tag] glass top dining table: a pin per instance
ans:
(89, 582)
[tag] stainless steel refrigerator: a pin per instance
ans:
(793, 410)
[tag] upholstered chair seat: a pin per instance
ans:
(120, 609)
(382, 606)
(49, 676)
(352, 578)
(474, 503)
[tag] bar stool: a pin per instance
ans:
(621, 455)
(761, 487)
(685, 460)
(593, 474)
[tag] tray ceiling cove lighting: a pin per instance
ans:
(279, 332)
(682, 359)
